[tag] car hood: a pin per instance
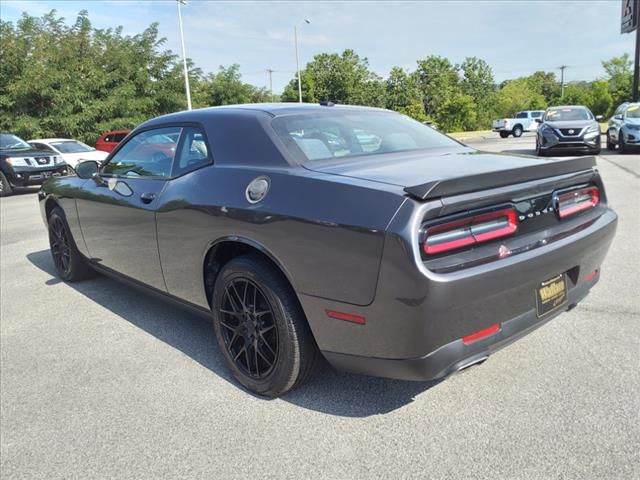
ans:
(26, 152)
(578, 124)
(408, 169)
(93, 155)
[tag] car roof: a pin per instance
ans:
(272, 109)
(51, 140)
(568, 106)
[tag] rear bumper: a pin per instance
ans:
(415, 325)
(455, 355)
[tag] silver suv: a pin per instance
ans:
(624, 128)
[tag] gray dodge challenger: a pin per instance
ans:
(347, 234)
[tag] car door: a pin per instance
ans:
(117, 208)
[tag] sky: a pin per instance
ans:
(516, 38)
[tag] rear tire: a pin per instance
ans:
(69, 262)
(5, 186)
(504, 134)
(260, 327)
(517, 131)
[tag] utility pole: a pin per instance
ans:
(562, 67)
(270, 72)
(184, 55)
(636, 68)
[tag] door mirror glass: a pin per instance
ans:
(87, 169)
(538, 120)
(599, 117)
(617, 117)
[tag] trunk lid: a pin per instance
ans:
(441, 172)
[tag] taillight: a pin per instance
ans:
(469, 231)
(570, 203)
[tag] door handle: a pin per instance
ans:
(147, 197)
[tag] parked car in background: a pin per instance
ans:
(412, 260)
(72, 151)
(107, 142)
(568, 129)
(21, 165)
(524, 121)
(624, 128)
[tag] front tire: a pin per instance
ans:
(69, 262)
(260, 327)
(5, 186)
(610, 145)
(622, 146)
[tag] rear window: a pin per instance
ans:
(343, 134)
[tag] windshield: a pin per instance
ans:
(11, 142)
(343, 134)
(567, 113)
(633, 111)
(71, 146)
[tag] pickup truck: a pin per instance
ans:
(524, 121)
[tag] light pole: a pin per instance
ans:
(295, 40)
(562, 67)
(184, 55)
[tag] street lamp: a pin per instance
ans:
(295, 39)
(184, 55)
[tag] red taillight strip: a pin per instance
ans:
(478, 229)
(481, 334)
(347, 317)
(577, 201)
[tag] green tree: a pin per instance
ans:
(478, 83)
(400, 90)
(601, 100)
(438, 82)
(227, 88)
(458, 113)
(516, 95)
(620, 77)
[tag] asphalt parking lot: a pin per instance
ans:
(99, 381)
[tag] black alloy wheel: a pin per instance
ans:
(261, 328)
(60, 246)
(248, 328)
(69, 262)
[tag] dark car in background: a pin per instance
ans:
(624, 128)
(21, 165)
(107, 142)
(354, 234)
(568, 129)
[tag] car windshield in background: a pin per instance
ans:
(342, 134)
(11, 142)
(633, 111)
(567, 114)
(72, 147)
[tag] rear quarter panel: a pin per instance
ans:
(327, 236)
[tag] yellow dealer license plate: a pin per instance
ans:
(551, 294)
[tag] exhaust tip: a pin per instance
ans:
(470, 363)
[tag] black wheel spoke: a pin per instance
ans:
(246, 314)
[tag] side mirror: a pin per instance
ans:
(538, 120)
(617, 117)
(599, 117)
(87, 169)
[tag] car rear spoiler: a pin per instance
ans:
(501, 178)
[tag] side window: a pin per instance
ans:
(193, 153)
(108, 138)
(148, 154)
(521, 115)
(536, 114)
(118, 137)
